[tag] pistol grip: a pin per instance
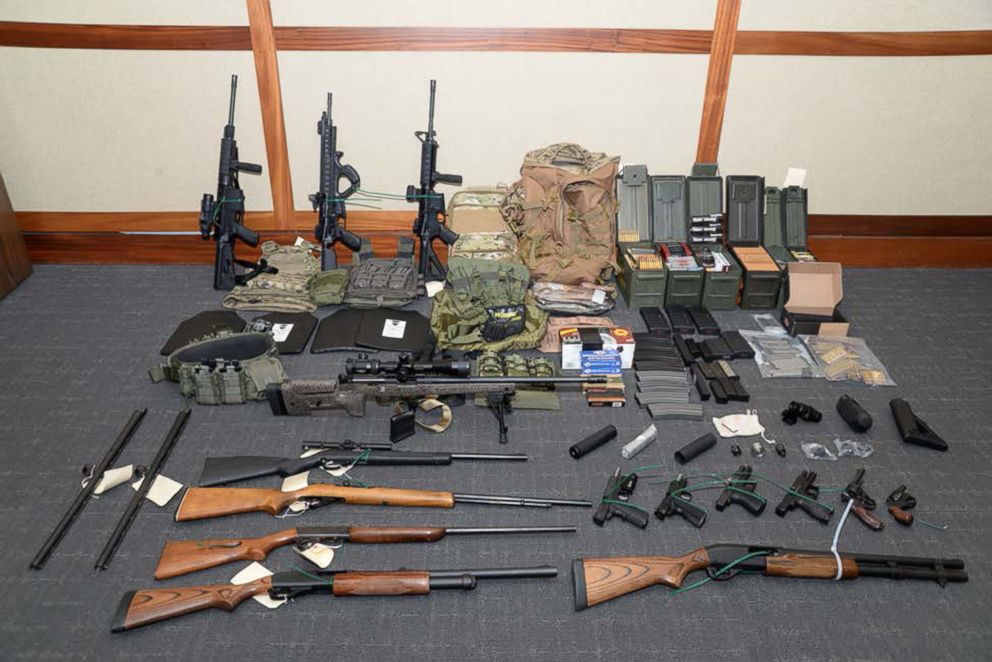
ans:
(694, 514)
(868, 518)
(752, 504)
(816, 511)
(902, 516)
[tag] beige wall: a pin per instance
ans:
(119, 130)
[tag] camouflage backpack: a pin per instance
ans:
(474, 213)
(563, 211)
(486, 305)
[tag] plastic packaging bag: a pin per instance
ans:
(779, 355)
(847, 359)
(850, 448)
(815, 451)
(768, 324)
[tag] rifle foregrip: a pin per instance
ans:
(402, 582)
(385, 535)
(139, 608)
(442, 178)
(598, 580)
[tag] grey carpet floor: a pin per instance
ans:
(75, 343)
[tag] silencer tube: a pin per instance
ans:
(695, 448)
(593, 441)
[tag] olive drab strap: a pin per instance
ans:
(227, 368)
(563, 211)
(380, 282)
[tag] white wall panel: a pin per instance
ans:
(491, 109)
(878, 135)
(89, 130)
(866, 15)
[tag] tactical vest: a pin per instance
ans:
(286, 291)
(486, 306)
(383, 282)
(563, 210)
(229, 368)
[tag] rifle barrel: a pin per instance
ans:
(503, 500)
(430, 116)
(497, 573)
(234, 93)
(474, 530)
(508, 457)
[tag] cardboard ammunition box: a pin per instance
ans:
(815, 290)
(762, 277)
(579, 346)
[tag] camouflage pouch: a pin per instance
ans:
(328, 287)
(527, 396)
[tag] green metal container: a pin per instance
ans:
(641, 287)
(720, 288)
(761, 290)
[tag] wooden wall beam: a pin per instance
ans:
(263, 46)
(865, 44)
(125, 37)
(935, 252)
(863, 225)
(717, 80)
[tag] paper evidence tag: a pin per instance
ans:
(319, 554)
(295, 482)
(281, 331)
(394, 328)
(251, 573)
(599, 296)
(112, 478)
(161, 491)
(433, 287)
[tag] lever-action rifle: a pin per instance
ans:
(430, 205)
(148, 606)
(180, 557)
(220, 470)
(598, 580)
(206, 502)
(328, 202)
(299, 397)
(223, 217)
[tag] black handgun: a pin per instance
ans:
(620, 488)
(863, 503)
(803, 495)
(678, 501)
(742, 491)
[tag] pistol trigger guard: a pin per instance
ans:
(305, 504)
(723, 576)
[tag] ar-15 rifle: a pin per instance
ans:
(300, 397)
(221, 470)
(430, 205)
(207, 502)
(148, 606)
(222, 217)
(597, 580)
(180, 557)
(328, 202)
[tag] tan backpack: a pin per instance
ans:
(563, 210)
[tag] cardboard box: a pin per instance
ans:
(579, 343)
(815, 290)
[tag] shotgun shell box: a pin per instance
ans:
(576, 343)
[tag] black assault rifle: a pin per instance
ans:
(430, 205)
(328, 202)
(223, 217)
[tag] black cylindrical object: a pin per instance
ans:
(593, 441)
(697, 447)
(854, 414)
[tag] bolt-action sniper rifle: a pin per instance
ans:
(300, 397)
(430, 205)
(148, 606)
(329, 201)
(223, 217)
(598, 580)
(221, 470)
(180, 557)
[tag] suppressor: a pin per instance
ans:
(695, 448)
(593, 441)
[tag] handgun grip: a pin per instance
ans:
(904, 517)
(817, 511)
(692, 512)
(868, 518)
(752, 504)
(632, 515)
(250, 237)
(447, 235)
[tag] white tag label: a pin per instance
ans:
(161, 491)
(297, 507)
(312, 451)
(393, 328)
(599, 296)
(795, 177)
(295, 482)
(281, 331)
(337, 470)
(253, 572)
(433, 287)
(299, 242)
(318, 554)
(112, 478)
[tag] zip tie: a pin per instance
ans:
(833, 547)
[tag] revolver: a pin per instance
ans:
(863, 503)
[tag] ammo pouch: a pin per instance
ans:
(328, 287)
(486, 306)
(527, 396)
(383, 282)
(230, 368)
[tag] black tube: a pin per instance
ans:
(593, 441)
(499, 573)
(458, 531)
(520, 500)
(695, 448)
(117, 537)
(82, 498)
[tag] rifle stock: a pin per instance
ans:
(599, 580)
(139, 608)
(180, 557)
(206, 502)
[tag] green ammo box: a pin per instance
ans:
(785, 225)
(745, 229)
(639, 287)
(705, 189)
(720, 288)
(670, 223)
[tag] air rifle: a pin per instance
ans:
(207, 502)
(223, 217)
(300, 397)
(598, 580)
(329, 201)
(180, 557)
(430, 205)
(221, 470)
(148, 606)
